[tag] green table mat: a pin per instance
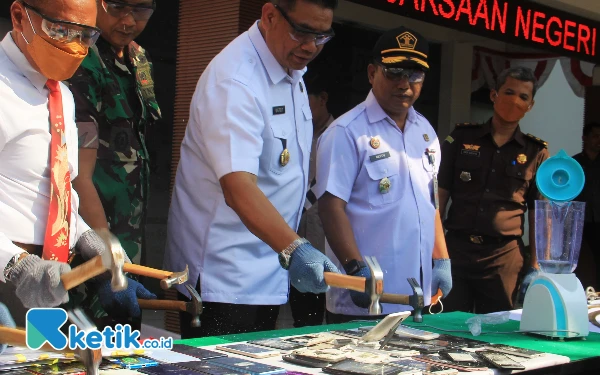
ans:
(575, 349)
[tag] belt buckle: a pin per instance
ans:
(476, 239)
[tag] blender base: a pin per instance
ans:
(555, 306)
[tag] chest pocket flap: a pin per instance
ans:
(382, 168)
(519, 172)
(468, 162)
(281, 127)
(307, 113)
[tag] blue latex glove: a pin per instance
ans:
(361, 299)
(307, 265)
(6, 320)
(441, 277)
(123, 303)
(531, 274)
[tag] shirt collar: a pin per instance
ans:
(517, 136)
(20, 61)
(274, 69)
(375, 113)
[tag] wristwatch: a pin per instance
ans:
(286, 254)
(11, 264)
(353, 266)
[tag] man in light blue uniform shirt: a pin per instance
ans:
(242, 177)
(376, 170)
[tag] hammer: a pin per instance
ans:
(374, 288)
(194, 307)
(90, 358)
(112, 259)
(167, 278)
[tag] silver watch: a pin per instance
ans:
(286, 254)
(10, 265)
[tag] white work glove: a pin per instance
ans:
(90, 244)
(38, 282)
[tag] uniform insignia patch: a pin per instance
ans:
(471, 147)
(384, 185)
(375, 143)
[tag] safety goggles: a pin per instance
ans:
(398, 74)
(120, 10)
(303, 35)
(65, 31)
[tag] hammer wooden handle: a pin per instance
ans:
(338, 280)
(146, 271)
(156, 304)
(398, 299)
(83, 273)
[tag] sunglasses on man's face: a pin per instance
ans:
(303, 35)
(65, 31)
(398, 74)
(119, 9)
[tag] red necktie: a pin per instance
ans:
(56, 240)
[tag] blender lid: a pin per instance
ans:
(560, 178)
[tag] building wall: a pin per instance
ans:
(557, 116)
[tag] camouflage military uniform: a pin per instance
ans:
(115, 103)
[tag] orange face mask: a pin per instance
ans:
(55, 63)
(510, 108)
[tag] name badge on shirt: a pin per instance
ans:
(279, 110)
(383, 155)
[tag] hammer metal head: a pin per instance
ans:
(113, 259)
(416, 299)
(194, 307)
(176, 278)
(374, 285)
(90, 358)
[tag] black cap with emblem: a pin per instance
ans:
(402, 48)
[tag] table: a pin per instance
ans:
(584, 355)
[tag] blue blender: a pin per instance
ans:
(555, 304)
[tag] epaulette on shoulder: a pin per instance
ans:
(537, 140)
(468, 125)
(350, 116)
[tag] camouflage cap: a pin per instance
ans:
(402, 47)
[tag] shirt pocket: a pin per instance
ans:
(281, 129)
(519, 180)
(469, 175)
(377, 171)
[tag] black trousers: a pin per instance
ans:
(484, 276)
(308, 309)
(219, 319)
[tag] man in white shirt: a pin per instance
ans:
(243, 174)
(376, 178)
(39, 223)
